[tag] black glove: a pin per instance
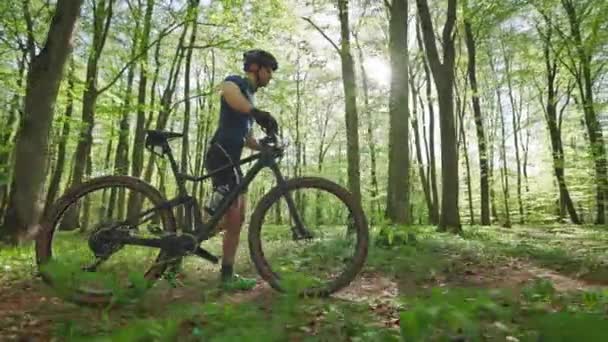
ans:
(266, 121)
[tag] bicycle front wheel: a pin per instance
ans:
(318, 265)
(78, 249)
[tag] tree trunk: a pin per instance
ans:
(443, 74)
(192, 13)
(503, 151)
(102, 19)
(63, 140)
(7, 135)
(594, 130)
(350, 101)
(430, 143)
(165, 104)
(397, 199)
(514, 115)
(465, 152)
(481, 139)
(137, 155)
(121, 161)
(43, 82)
(421, 172)
(552, 123)
(371, 142)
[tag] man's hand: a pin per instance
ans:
(266, 121)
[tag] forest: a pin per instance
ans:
(470, 132)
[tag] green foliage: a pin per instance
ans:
(448, 314)
(395, 236)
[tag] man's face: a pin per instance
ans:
(264, 76)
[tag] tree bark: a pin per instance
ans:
(7, 135)
(137, 155)
(414, 122)
(481, 139)
(551, 118)
(192, 13)
(63, 139)
(584, 80)
(371, 141)
(430, 142)
(43, 83)
(503, 150)
(515, 113)
(121, 161)
(350, 99)
(397, 201)
(443, 74)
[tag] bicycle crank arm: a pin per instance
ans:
(202, 253)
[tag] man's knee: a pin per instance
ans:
(233, 218)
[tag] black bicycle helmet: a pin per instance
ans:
(259, 57)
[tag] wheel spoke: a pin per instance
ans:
(319, 256)
(84, 251)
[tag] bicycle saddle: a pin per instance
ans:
(158, 138)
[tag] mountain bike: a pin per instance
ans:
(115, 234)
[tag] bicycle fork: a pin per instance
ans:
(298, 231)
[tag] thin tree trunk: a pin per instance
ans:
(63, 139)
(192, 13)
(481, 139)
(121, 161)
(165, 101)
(7, 135)
(421, 172)
(43, 82)
(503, 151)
(443, 74)
(585, 84)
(461, 105)
(102, 19)
(430, 143)
(551, 117)
(371, 142)
(350, 98)
(137, 155)
(514, 115)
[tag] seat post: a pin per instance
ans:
(175, 168)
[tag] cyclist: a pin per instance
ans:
(237, 113)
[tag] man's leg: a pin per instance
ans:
(233, 224)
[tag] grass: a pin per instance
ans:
(491, 284)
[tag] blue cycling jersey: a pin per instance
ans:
(234, 126)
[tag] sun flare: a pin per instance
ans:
(378, 70)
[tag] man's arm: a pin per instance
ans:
(235, 99)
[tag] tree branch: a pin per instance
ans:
(428, 36)
(206, 46)
(324, 35)
(31, 41)
(177, 103)
(388, 5)
(138, 56)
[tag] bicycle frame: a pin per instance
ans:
(202, 230)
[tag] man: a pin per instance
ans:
(237, 114)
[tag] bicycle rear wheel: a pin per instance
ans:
(317, 266)
(76, 249)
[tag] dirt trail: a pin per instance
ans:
(29, 312)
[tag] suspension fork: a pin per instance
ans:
(298, 231)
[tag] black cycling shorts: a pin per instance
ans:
(219, 156)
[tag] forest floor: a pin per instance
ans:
(519, 284)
